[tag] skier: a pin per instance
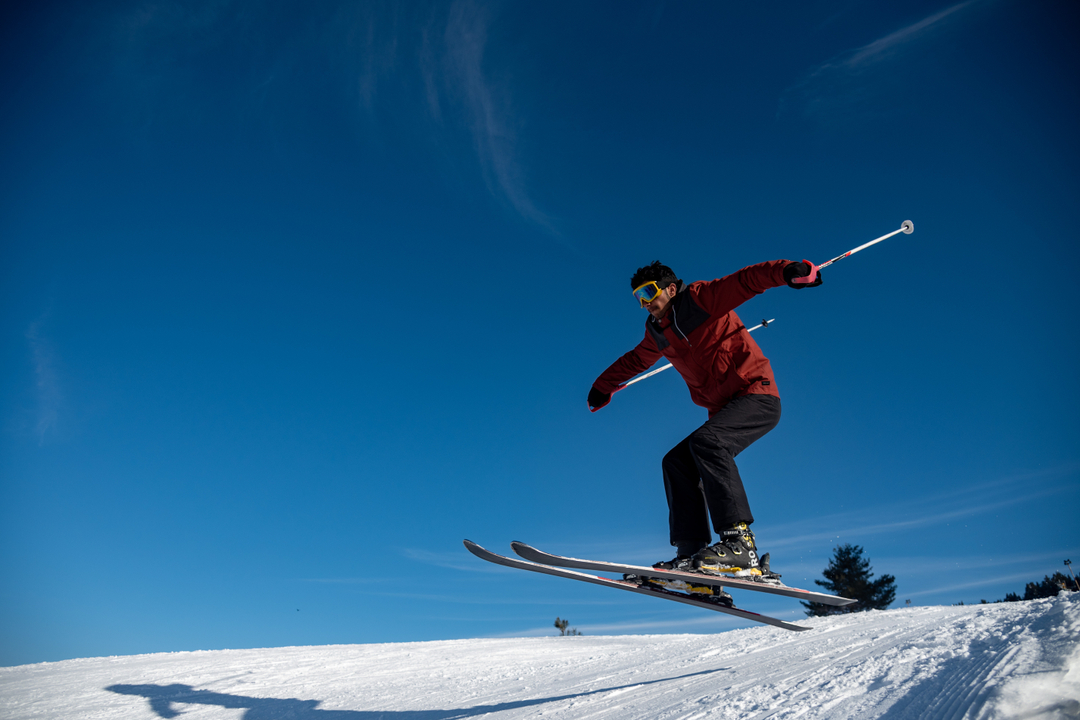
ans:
(695, 327)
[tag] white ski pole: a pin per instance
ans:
(906, 227)
(639, 378)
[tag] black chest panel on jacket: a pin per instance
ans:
(686, 317)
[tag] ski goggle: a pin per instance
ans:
(648, 292)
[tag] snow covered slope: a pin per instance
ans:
(1010, 660)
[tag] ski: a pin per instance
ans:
(626, 585)
(539, 556)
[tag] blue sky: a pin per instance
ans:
(294, 300)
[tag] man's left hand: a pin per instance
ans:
(801, 275)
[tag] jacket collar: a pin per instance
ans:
(676, 305)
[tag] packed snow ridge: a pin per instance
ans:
(1007, 660)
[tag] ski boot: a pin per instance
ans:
(735, 555)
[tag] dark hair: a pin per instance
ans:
(662, 274)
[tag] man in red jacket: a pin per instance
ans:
(695, 327)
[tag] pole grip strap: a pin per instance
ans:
(809, 278)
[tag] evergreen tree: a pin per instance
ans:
(1049, 587)
(849, 575)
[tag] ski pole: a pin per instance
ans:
(639, 378)
(906, 227)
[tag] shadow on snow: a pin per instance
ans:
(162, 698)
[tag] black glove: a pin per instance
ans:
(804, 269)
(598, 399)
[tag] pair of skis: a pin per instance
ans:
(548, 564)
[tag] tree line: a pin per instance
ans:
(850, 575)
(1049, 586)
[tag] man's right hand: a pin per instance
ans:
(598, 399)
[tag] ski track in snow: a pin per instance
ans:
(976, 662)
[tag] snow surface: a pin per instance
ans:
(1008, 660)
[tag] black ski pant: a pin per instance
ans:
(700, 475)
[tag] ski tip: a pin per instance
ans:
(908, 227)
(478, 551)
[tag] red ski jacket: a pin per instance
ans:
(706, 341)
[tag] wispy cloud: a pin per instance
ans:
(487, 108)
(941, 508)
(879, 50)
(909, 522)
(168, 17)
(847, 79)
(705, 624)
(49, 397)
(486, 600)
(371, 41)
(1021, 578)
(997, 561)
(430, 68)
(457, 559)
(449, 49)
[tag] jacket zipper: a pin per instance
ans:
(675, 322)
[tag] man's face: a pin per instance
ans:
(658, 307)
